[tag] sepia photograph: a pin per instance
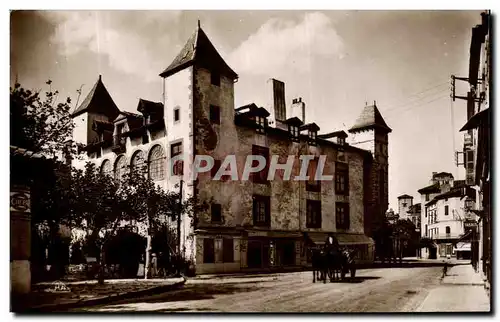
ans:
(250, 161)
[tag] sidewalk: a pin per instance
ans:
(59, 296)
(462, 290)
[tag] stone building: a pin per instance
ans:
(405, 202)
(445, 209)
(250, 224)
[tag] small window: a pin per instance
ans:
(175, 150)
(261, 176)
(228, 250)
(214, 114)
(215, 168)
(216, 213)
(312, 184)
(261, 210)
(342, 219)
(215, 78)
(294, 132)
(404, 204)
(261, 124)
(208, 250)
(427, 197)
(446, 210)
(448, 230)
(341, 141)
(313, 215)
(341, 179)
(312, 137)
(176, 115)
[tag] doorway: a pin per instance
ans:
(258, 254)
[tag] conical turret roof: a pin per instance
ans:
(98, 101)
(370, 118)
(199, 50)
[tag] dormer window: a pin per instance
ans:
(341, 141)
(312, 137)
(312, 132)
(261, 124)
(294, 132)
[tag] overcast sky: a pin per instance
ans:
(335, 60)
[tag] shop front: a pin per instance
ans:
(272, 249)
(362, 244)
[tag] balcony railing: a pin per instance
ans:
(445, 236)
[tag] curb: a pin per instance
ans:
(102, 300)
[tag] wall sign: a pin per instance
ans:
(19, 201)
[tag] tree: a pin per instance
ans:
(149, 204)
(404, 231)
(96, 206)
(100, 205)
(40, 124)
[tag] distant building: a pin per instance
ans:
(404, 204)
(443, 216)
(413, 214)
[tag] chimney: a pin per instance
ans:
(276, 104)
(298, 109)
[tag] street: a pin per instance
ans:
(373, 290)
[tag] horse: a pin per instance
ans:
(318, 258)
(326, 262)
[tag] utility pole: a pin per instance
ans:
(179, 214)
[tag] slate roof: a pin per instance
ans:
(201, 51)
(442, 174)
(101, 126)
(99, 101)
(370, 118)
(252, 110)
(146, 106)
(294, 121)
(433, 188)
(310, 126)
(340, 134)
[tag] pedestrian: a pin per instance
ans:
(162, 265)
(154, 265)
(445, 269)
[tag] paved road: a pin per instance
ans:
(373, 290)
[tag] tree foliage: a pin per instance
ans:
(40, 123)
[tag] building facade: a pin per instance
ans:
(477, 142)
(259, 223)
(405, 202)
(444, 216)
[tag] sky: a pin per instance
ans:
(337, 61)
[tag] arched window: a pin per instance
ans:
(120, 168)
(157, 163)
(106, 168)
(138, 162)
(448, 230)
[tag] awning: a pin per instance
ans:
(481, 118)
(462, 247)
(343, 239)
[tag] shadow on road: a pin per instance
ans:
(353, 280)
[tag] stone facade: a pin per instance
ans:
(199, 114)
